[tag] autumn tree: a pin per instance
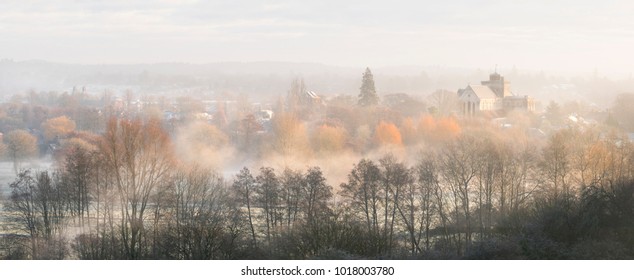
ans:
(329, 139)
(409, 132)
(447, 129)
(57, 127)
(21, 145)
(201, 143)
(427, 127)
(387, 133)
(289, 134)
(368, 96)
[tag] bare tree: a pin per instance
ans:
(202, 211)
(363, 194)
(38, 205)
(395, 177)
(459, 163)
(139, 156)
(267, 197)
(244, 190)
(291, 195)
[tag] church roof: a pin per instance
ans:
(483, 92)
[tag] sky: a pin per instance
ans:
(555, 36)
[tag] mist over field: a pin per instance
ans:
(286, 130)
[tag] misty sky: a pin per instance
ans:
(565, 36)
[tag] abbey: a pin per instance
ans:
(493, 95)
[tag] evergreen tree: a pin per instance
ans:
(368, 96)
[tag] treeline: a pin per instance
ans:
(480, 195)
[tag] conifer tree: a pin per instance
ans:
(368, 96)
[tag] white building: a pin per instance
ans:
(492, 95)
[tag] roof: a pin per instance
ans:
(483, 92)
(311, 94)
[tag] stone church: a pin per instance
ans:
(493, 95)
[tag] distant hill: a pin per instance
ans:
(265, 81)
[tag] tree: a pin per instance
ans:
(363, 194)
(291, 195)
(329, 139)
(459, 163)
(290, 135)
(38, 206)
(57, 127)
(554, 114)
(394, 177)
(316, 195)
(294, 98)
(368, 96)
(623, 112)
(409, 132)
(20, 145)
(444, 101)
(202, 211)
(243, 188)
(201, 143)
(387, 134)
(268, 197)
(556, 166)
(247, 131)
(139, 157)
(77, 172)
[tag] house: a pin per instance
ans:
(492, 96)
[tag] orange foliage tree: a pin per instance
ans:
(447, 128)
(438, 130)
(387, 133)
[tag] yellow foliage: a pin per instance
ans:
(329, 139)
(409, 132)
(57, 127)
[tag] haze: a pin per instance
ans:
(571, 37)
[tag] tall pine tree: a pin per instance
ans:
(368, 96)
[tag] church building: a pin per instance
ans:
(492, 96)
